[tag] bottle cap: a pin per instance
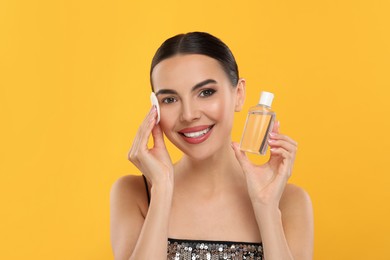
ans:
(266, 98)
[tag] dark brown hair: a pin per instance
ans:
(198, 43)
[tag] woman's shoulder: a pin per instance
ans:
(129, 190)
(297, 218)
(127, 184)
(294, 199)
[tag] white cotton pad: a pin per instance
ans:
(154, 101)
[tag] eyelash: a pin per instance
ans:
(203, 94)
(168, 100)
(211, 92)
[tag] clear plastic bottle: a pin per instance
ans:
(259, 123)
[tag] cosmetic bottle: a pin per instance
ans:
(259, 124)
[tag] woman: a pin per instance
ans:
(213, 203)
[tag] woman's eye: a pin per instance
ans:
(207, 92)
(168, 100)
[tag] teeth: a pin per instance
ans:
(196, 134)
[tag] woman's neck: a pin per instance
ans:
(220, 169)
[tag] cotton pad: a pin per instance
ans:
(154, 101)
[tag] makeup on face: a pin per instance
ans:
(196, 96)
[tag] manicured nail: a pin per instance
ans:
(152, 112)
(151, 109)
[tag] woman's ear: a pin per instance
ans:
(240, 95)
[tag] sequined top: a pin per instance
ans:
(180, 249)
(184, 249)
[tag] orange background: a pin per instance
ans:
(74, 88)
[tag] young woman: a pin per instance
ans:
(213, 203)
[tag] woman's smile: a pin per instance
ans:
(197, 134)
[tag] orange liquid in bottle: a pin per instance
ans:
(258, 125)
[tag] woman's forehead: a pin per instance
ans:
(189, 70)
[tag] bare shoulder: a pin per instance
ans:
(129, 191)
(127, 183)
(294, 199)
(128, 206)
(297, 217)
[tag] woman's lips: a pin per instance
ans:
(196, 135)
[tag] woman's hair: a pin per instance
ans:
(198, 43)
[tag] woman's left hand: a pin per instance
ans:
(266, 182)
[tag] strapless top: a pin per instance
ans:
(183, 249)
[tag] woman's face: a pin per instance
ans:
(197, 103)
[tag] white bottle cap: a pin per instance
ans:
(266, 98)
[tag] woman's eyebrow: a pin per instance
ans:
(166, 91)
(203, 83)
(198, 85)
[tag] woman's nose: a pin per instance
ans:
(189, 112)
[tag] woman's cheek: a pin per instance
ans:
(218, 110)
(162, 118)
(166, 119)
(215, 107)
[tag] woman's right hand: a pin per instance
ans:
(154, 163)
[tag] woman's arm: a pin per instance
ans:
(133, 235)
(283, 212)
(287, 230)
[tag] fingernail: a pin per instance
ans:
(151, 109)
(152, 112)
